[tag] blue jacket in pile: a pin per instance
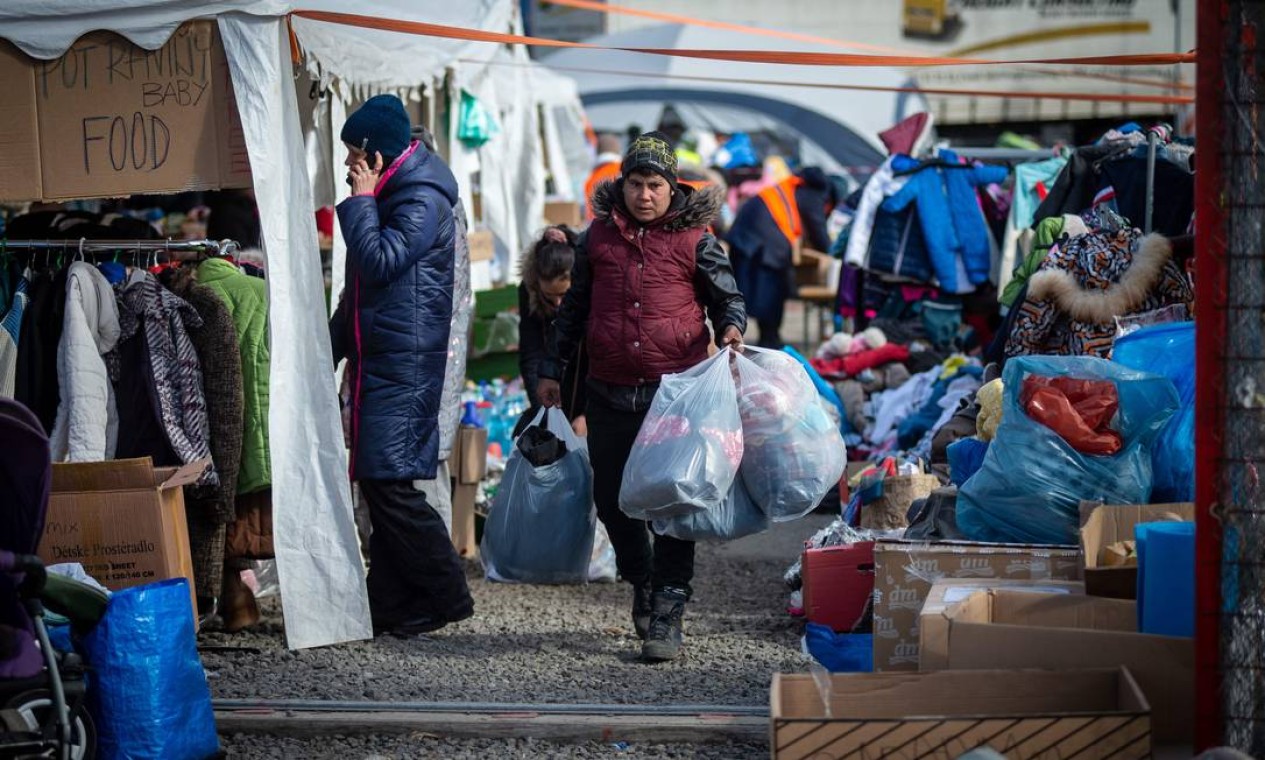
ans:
(393, 321)
(952, 223)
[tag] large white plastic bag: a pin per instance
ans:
(1032, 482)
(736, 517)
(688, 450)
(540, 526)
(793, 453)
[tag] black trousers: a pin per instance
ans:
(415, 576)
(669, 561)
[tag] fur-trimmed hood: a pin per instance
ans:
(1095, 278)
(690, 209)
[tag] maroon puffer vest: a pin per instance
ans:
(645, 320)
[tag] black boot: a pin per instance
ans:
(643, 600)
(664, 639)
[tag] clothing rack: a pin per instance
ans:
(83, 245)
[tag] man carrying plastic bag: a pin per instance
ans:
(540, 527)
(646, 271)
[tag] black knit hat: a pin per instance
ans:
(651, 152)
(380, 125)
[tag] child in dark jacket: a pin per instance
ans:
(545, 279)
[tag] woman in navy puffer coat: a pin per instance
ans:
(392, 325)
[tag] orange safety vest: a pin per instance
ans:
(780, 200)
(603, 173)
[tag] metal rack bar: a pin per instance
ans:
(83, 245)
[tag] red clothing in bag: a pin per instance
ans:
(1080, 411)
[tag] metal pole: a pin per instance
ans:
(1152, 142)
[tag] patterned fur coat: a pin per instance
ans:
(164, 320)
(1075, 296)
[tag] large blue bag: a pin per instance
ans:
(1168, 350)
(149, 695)
(1032, 482)
(540, 527)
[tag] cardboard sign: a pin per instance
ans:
(114, 119)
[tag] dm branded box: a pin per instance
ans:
(1013, 628)
(1085, 714)
(905, 571)
(123, 520)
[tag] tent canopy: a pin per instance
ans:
(620, 89)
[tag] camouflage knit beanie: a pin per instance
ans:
(651, 152)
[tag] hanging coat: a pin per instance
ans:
(10, 330)
(216, 344)
(247, 300)
(87, 424)
(952, 224)
(150, 312)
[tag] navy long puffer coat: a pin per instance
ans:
(393, 321)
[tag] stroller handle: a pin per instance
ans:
(31, 566)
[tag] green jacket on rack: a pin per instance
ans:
(1048, 231)
(247, 300)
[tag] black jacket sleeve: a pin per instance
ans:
(338, 331)
(573, 315)
(531, 344)
(717, 288)
(812, 215)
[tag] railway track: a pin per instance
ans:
(558, 722)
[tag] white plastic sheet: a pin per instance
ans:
(318, 560)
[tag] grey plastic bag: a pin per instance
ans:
(540, 526)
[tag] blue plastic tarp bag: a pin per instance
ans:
(736, 517)
(1032, 482)
(1168, 350)
(149, 695)
(540, 527)
(839, 652)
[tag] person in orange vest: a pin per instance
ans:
(605, 169)
(763, 239)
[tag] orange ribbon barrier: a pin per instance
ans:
(1009, 94)
(746, 56)
(676, 18)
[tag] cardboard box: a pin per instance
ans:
(1104, 525)
(933, 625)
(564, 212)
(838, 581)
(1020, 714)
(905, 572)
(1006, 628)
(123, 520)
(482, 245)
(113, 119)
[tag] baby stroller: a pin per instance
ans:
(42, 711)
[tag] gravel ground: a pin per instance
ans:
(422, 746)
(561, 644)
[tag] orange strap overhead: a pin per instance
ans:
(676, 18)
(748, 56)
(1007, 94)
(780, 200)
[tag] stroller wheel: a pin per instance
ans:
(36, 708)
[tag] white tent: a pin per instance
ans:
(839, 128)
(527, 101)
(318, 560)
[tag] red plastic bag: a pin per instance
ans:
(1080, 411)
